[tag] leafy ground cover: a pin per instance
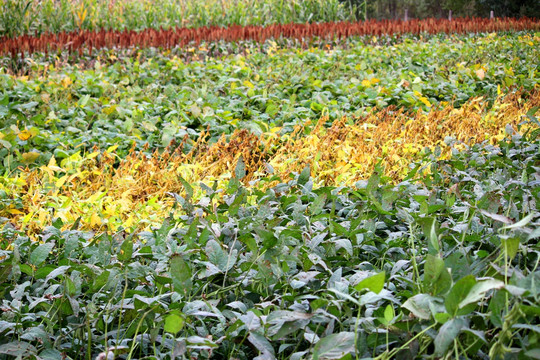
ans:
(361, 198)
(106, 191)
(59, 111)
(443, 264)
(37, 17)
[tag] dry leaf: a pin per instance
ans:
(481, 74)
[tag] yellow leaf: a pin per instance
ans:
(109, 110)
(25, 135)
(366, 83)
(130, 221)
(374, 81)
(95, 220)
(15, 212)
(52, 162)
(425, 101)
(30, 157)
(94, 154)
(60, 182)
(112, 148)
(66, 81)
(248, 84)
(95, 197)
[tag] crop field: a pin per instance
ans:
(262, 191)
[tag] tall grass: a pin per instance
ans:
(35, 17)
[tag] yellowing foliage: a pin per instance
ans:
(134, 193)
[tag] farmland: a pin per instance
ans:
(363, 195)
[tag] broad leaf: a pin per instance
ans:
(334, 346)
(479, 290)
(373, 283)
(447, 333)
(173, 323)
(40, 254)
(458, 293)
(240, 170)
(180, 274)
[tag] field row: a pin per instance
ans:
(107, 191)
(79, 41)
(148, 104)
(50, 16)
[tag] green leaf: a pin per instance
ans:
(283, 322)
(373, 182)
(389, 313)
(216, 255)
(50, 354)
(478, 291)
(334, 346)
(240, 170)
(533, 354)
(268, 238)
(521, 223)
(429, 227)
(40, 254)
(373, 283)
(71, 288)
(458, 293)
(180, 274)
(317, 204)
(437, 279)
(100, 280)
(173, 323)
(303, 178)
(19, 349)
(511, 246)
(5, 271)
(84, 100)
(447, 333)
(271, 108)
(263, 345)
(419, 305)
(126, 250)
(187, 187)
(5, 144)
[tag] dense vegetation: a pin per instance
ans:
(426, 266)
(354, 198)
(132, 102)
(18, 17)
(36, 17)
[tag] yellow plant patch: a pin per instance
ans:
(134, 192)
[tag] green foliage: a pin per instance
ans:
(131, 102)
(295, 272)
(35, 17)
